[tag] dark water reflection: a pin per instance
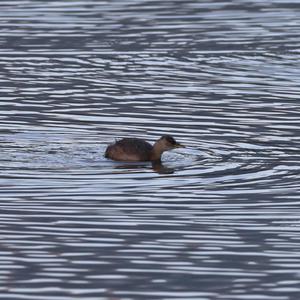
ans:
(217, 220)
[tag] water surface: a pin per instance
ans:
(220, 219)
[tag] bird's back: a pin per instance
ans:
(129, 149)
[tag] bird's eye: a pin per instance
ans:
(171, 141)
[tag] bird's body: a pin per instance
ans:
(134, 149)
(129, 149)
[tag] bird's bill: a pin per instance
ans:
(179, 146)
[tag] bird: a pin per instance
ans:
(135, 149)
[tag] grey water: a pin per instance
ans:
(219, 219)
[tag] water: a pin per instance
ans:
(219, 219)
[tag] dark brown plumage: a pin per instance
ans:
(133, 149)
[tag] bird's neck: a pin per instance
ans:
(156, 152)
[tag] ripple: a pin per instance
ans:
(222, 77)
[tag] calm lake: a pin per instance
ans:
(219, 219)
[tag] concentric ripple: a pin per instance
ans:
(219, 219)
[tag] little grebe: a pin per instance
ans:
(132, 149)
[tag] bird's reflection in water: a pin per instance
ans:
(160, 168)
(157, 166)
